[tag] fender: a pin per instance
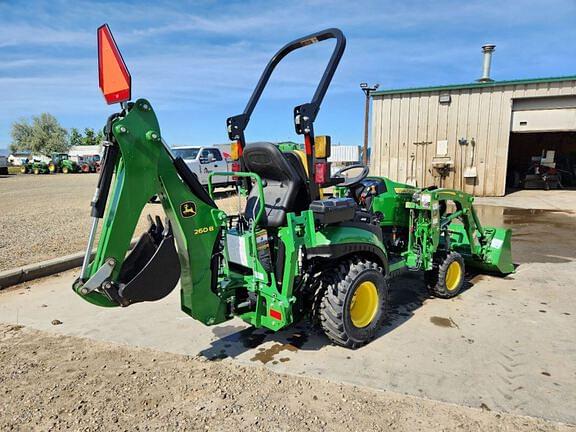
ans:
(338, 241)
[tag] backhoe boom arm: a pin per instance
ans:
(186, 248)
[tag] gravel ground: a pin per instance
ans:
(44, 217)
(50, 382)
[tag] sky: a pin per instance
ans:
(197, 62)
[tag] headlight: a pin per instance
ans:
(425, 200)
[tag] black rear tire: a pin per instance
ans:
(446, 279)
(338, 314)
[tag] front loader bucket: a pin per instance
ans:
(151, 271)
(494, 254)
(497, 256)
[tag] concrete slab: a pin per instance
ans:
(504, 344)
(564, 199)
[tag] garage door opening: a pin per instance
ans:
(541, 160)
(542, 149)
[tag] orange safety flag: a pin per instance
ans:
(113, 75)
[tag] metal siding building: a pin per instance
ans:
(409, 126)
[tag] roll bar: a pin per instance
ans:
(305, 114)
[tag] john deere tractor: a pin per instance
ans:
(26, 167)
(292, 251)
(61, 163)
(35, 167)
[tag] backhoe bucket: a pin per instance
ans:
(151, 271)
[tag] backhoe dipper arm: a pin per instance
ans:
(305, 114)
(138, 166)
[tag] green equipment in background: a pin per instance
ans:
(25, 167)
(61, 163)
(291, 252)
(36, 167)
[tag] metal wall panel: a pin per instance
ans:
(409, 124)
(340, 153)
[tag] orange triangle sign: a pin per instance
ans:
(114, 77)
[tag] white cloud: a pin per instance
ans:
(210, 54)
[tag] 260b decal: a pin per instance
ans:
(203, 230)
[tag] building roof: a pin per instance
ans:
(473, 85)
(85, 147)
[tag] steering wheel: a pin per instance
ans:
(350, 182)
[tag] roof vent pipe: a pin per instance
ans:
(487, 50)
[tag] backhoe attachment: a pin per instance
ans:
(136, 166)
(151, 270)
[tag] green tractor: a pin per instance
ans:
(35, 167)
(61, 163)
(26, 167)
(292, 251)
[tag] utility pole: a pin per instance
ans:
(367, 91)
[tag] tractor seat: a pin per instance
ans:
(284, 183)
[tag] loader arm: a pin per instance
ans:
(486, 248)
(187, 247)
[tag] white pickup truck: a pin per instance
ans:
(203, 160)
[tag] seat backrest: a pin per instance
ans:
(284, 185)
(303, 199)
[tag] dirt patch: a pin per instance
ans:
(50, 382)
(443, 322)
(48, 216)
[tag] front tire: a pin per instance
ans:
(446, 279)
(355, 302)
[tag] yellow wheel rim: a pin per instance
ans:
(364, 305)
(453, 276)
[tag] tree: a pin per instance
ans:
(43, 136)
(47, 135)
(75, 137)
(91, 137)
(21, 133)
(99, 136)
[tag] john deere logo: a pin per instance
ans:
(188, 209)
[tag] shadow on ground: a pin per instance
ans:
(407, 294)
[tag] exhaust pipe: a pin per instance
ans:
(487, 50)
